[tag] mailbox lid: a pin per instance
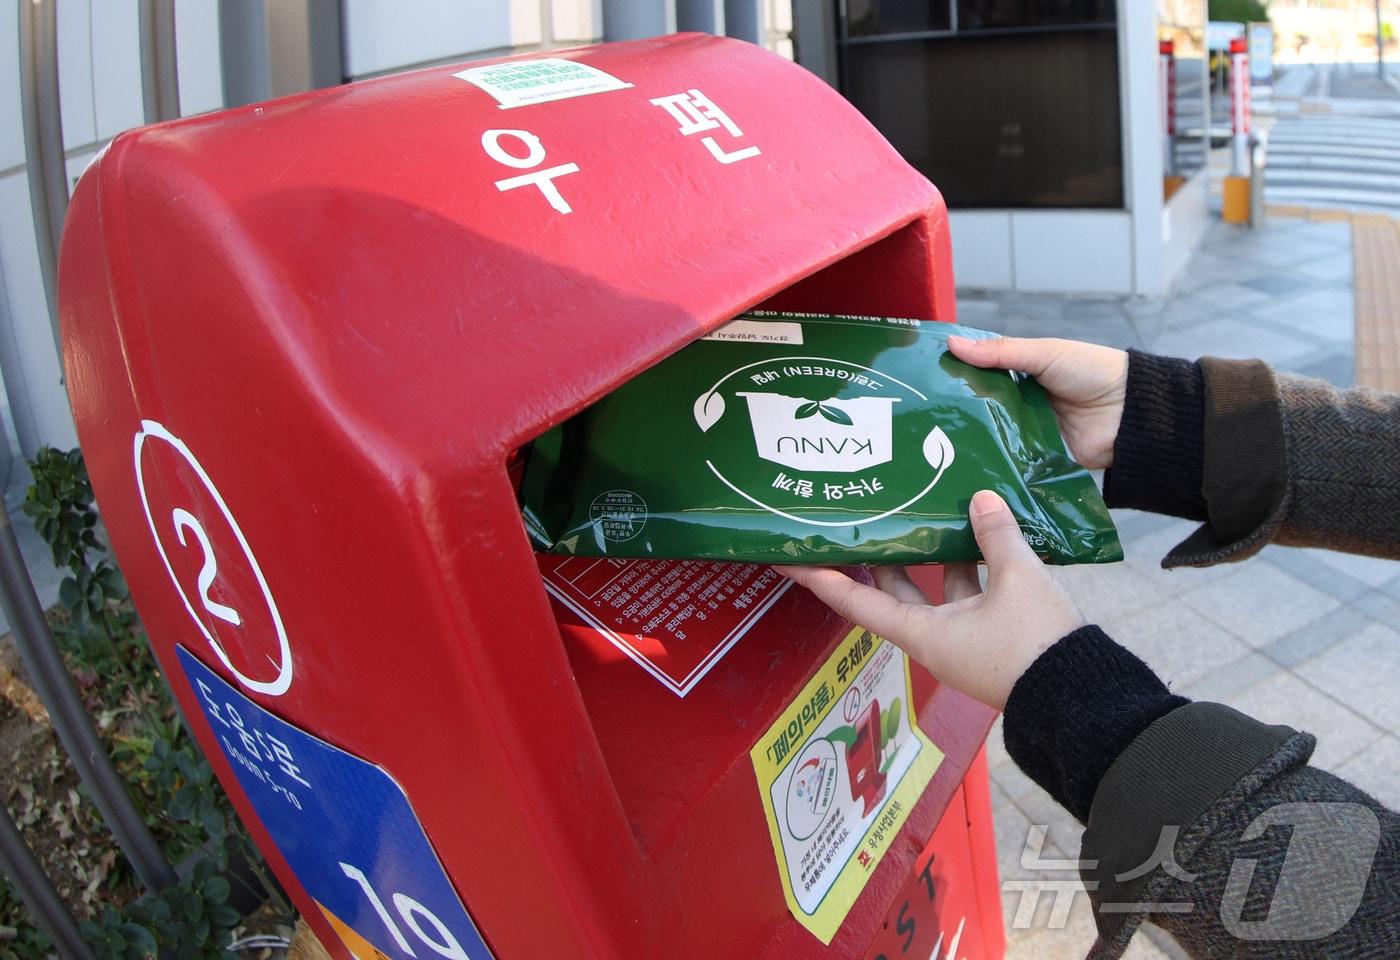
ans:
(394, 225)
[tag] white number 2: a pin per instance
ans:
(184, 520)
(411, 911)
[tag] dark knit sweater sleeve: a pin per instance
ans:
(1158, 455)
(1076, 709)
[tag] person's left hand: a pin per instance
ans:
(979, 643)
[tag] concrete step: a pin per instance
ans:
(1323, 121)
(1333, 197)
(1291, 151)
(1311, 163)
(1336, 142)
(1341, 179)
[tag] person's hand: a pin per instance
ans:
(1086, 383)
(979, 643)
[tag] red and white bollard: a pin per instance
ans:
(1239, 107)
(1166, 58)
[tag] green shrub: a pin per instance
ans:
(106, 650)
(1239, 11)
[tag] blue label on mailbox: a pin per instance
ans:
(346, 828)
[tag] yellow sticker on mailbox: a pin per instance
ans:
(839, 772)
(359, 947)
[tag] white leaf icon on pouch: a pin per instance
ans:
(709, 407)
(938, 450)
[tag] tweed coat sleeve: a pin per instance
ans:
(1258, 457)
(1202, 820)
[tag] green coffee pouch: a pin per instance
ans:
(805, 438)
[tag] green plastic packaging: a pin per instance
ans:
(804, 438)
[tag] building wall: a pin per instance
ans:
(381, 36)
(1133, 244)
(1068, 251)
(100, 89)
(1091, 251)
(1187, 213)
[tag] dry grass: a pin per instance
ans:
(305, 946)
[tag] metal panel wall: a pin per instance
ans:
(275, 47)
(99, 91)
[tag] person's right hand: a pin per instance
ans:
(1086, 383)
(978, 643)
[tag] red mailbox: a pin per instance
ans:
(305, 342)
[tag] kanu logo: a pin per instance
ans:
(837, 453)
(839, 436)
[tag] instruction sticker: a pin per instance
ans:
(758, 331)
(345, 827)
(839, 772)
(521, 83)
(675, 618)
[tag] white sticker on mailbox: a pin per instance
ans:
(521, 83)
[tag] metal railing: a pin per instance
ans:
(38, 894)
(48, 192)
(160, 81)
(70, 719)
(43, 139)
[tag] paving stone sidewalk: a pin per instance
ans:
(1303, 637)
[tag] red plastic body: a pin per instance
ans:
(949, 906)
(1166, 50)
(863, 759)
(334, 304)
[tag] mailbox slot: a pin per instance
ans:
(663, 732)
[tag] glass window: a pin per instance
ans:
(1012, 121)
(866, 18)
(1018, 106)
(1004, 14)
